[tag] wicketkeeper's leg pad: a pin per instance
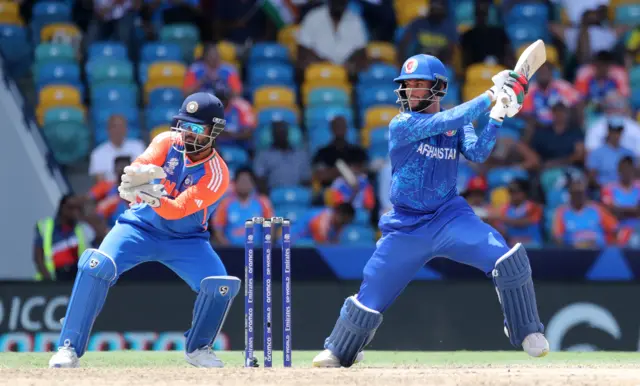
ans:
(512, 278)
(354, 329)
(96, 272)
(210, 310)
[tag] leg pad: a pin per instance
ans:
(354, 329)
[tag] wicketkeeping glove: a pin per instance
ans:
(147, 193)
(137, 175)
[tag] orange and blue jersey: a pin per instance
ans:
(616, 195)
(101, 189)
(317, 226)
(597, 89)
(537, 100)
(112, 206)
(364, 198)
(529, 235)
(224, 73)
(591, 226)
(239, 116)
(233, 212)
(194, 189)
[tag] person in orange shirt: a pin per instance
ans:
(325, 226)
(175, 186)
(521, 218)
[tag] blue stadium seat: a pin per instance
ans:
(112, 71)
(166, 96)
(48, 12)
(465, 173)
(70, 141)
(125, 94)
(326, 96)
(453, 96)
(465, 13)
(498, 177)
(270, 74)
(634, 77)
(234, 156)
(378, 73)
(64, 114)
(16, 49)
(379, 135)
(295, 195)
(263, 137)
(266, 116)
(107, 50)
(186, 36)
(159, 115)
(362, 217)
(53, 73)
(271, 52)
(357, 235)
(523, 33)
(318, 114)
(296, 213)
(161, 51)
(378, 151)
(321, 135)
(376, 95)
(528, 13)
(55, 53)
(628, 14)
(635, 99)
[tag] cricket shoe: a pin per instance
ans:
(327, 359)
(203, 357)
(66, 357)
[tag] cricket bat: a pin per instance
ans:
(532, 58)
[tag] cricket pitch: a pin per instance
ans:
(380, 368)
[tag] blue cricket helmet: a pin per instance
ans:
(423, 67)
(198, 112)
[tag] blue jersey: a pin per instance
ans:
(425, 149)
(194, 190)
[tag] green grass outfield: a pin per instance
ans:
(142, 359)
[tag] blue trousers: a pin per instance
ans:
(410, 240)
(192, 259)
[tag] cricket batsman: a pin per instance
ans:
(429, 219)
(175, 186)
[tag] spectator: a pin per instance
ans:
(333, 33)
(559, 144)
(353, 188)
(204, 74)
(324, 161)
(600, 78)
(511, 152)
(622, 198)
(521, 219)
(484, 40)
(282, 165)
(326, 226)
(434, 34)
(536, 107)
(632, 56)
(582, 223)
(60, 240)
(114, 19)
(228, 223)
(616, 108)
(602, 163)
(111, 205)
(476, 195)
(241, 120)
(103, 157)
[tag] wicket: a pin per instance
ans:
(267, 308)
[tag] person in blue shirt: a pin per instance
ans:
(429, 218)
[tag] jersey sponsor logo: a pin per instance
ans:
(451, 133)
(437, 152)
(171, 165)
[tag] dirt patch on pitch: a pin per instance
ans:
(440, 376)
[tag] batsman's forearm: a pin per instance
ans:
(480, 150)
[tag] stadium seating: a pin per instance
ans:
(383, 52)
(357, 235)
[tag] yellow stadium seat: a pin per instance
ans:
(382, 51)
(227, 51)
(265, 97)
(409, 12)
(552, 53)
(470, 90)
(287, 37)
(10, 13)
(307, 87)
(325, 72)
(499, 197)
(157, 130)
(378, 116)
(480, 72)
(50, 31)
(197, 51)
(55, 95)
(165, 74)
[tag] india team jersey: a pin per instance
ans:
(195, 189)
(425, 149)
(614, 194)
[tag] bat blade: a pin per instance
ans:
(531, 59)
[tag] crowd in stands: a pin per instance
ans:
(308, 89)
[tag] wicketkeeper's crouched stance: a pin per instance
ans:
(167, 223)
(429, 219)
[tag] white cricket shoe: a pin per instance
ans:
(203, 357)
(536, 345)
(327, 359)
(66, 357)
